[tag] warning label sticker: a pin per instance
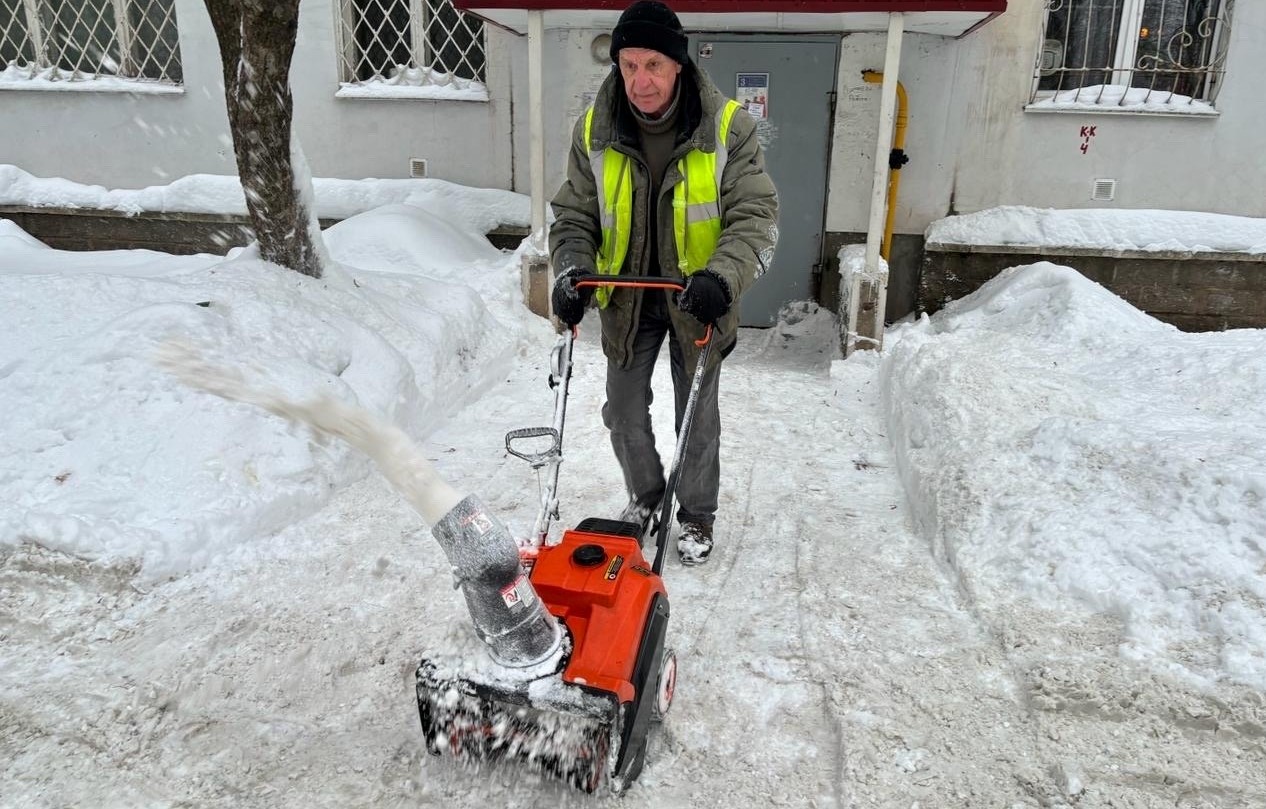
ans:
(613, 569)
(479, 521)
(517, 592)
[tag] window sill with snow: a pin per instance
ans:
(1109, 99)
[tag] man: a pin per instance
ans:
(674, 170)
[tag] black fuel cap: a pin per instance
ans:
(589, 555)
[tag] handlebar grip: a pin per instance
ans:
(629, 281)
(540, 457)
(639, 282)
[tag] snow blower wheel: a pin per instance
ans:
(666, 686)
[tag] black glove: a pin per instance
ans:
(705, 297)
(569, 302)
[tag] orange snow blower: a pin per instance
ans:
(575, 702)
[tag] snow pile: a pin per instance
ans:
(859, 286)
(1099, 97)
(108, 458)
(13, 237)
(1062, 449)
(476, 209)
(1102, 229)
(22, 252)
(852, 258)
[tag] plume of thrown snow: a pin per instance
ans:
(399, 459)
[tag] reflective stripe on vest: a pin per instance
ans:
(696, 201)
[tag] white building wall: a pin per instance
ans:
(927, 73)
(467, 142)
(1009, 156)
(971, 143)
(123, 140)
(572, 77)
(973, 146)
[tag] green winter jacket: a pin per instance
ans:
(749, 212)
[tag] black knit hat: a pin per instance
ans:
(653, 25)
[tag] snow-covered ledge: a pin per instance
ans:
(50, 79)
(1199, 271)
(485, 208)
(207, 213)
(1106, 231)
(1117, 99)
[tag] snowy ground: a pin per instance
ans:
(1015, 561)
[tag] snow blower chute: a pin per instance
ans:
(578, 668)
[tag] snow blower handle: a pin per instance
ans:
(687, 416)
(594, 280)
(540, 457)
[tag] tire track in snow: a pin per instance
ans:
(916, 697)
(734, 540)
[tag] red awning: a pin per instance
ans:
(942, 17)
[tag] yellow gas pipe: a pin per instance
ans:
(897, 160)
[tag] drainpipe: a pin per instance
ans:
(874, 301)
(897, 158)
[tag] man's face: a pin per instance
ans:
(649, 78)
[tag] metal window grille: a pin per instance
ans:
(76, 40)
(1130, 52)
(426, 41)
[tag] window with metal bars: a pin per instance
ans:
(411, 42)
(1160, 55)
(83, 40)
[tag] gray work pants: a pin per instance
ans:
(627, 415)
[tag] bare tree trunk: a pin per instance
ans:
(257, 41)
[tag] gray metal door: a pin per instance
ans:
(787, 82)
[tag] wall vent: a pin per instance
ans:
(1104, 191)
(417, 167)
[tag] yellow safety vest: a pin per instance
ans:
(696, 202)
